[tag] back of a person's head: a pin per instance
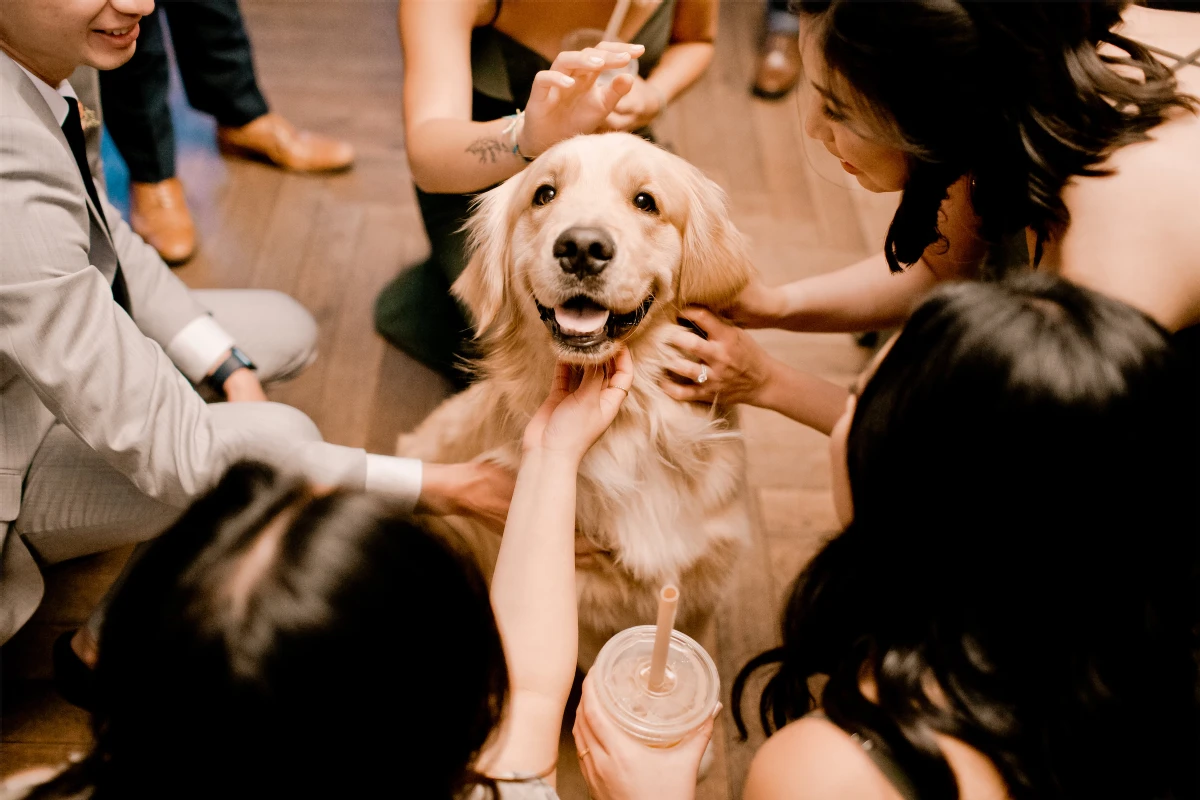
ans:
(1023, 468)
(273, 643)
(1033, 404)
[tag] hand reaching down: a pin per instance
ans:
(570, 422)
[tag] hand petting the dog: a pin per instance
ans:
(637, 109)
(731, 367)
(569, 422)
(566, 99)
(474, 489)
(758, 306)
(730, 364)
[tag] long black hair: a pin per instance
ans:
(1013, 94)
(277, 644)
(1020, 572)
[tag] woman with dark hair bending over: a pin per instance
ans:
(280, 642)
(1028, 630)
(1055, 135)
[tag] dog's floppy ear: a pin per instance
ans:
(716, 258)
(483, 285)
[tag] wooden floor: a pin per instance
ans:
(335, 66)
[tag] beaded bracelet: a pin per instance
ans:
(517, 121)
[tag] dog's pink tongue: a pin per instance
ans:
(580, 320)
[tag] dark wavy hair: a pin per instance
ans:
(1013, 94)
(276, 644)
(1024, 468)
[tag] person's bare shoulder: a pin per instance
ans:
(1133, 233)
(812, 759)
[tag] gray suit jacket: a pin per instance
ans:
(69, 353)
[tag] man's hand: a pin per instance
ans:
(243, 386)
(475, 489)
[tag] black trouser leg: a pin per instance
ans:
(215, 61)
(135, 107)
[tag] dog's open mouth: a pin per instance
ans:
(582, 323)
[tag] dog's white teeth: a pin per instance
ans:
(586, 320)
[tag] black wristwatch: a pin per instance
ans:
(237, 360)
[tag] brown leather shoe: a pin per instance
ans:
(158, 213)
(274, 138)
(778, 66)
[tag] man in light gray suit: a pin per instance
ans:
(103, 436)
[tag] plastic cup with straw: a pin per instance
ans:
(657, 684)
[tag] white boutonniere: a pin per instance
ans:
(90, 119)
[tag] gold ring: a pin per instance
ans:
(583, 753)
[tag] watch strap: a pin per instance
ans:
(237, 360)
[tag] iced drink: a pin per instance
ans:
(661, 718)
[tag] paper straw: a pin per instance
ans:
(616, 21)
(668, 599)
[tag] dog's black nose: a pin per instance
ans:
(584, 251)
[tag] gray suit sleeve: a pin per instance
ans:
(162, 304)
(89, 363)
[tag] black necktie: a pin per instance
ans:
(73, 129)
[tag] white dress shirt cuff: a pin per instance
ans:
(198, 347)
(398, 477)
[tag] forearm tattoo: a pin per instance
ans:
(487, 149)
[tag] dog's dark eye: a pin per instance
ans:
(645, 202)
(544, 194)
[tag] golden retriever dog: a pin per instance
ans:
(602, 241)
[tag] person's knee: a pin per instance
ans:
(274, 420)
(288, 423)
(295, 346)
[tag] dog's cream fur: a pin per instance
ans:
(663, 489)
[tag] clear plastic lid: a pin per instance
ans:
(686, 700)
